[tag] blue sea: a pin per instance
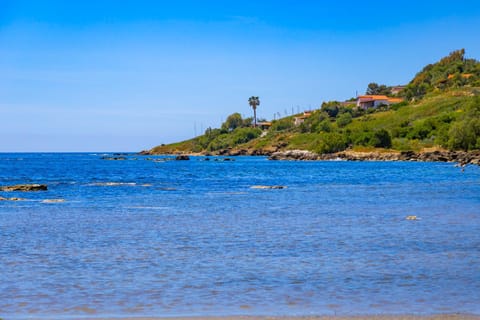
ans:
(152, 237)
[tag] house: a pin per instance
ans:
(396, 89)
(265, 125)
(375, 101)
(298, 120)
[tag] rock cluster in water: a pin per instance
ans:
(25, 187)
(460, 157)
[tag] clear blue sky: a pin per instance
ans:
(129, 75)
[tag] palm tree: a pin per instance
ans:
(254, 102)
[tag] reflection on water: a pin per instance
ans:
(193, 238)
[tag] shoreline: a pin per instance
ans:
(462, 158)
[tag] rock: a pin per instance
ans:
(11, 199)
(182, 157)
(25, 187)
(294, 155)
(268, 187)
(53, 200)
(144, 153)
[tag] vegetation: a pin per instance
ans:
(254, 102)
(374, 88)
(453, 71)
(441, 109)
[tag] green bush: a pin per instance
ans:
(282, 124)
(465, 135)
(378, 139)
(243, 135)
(232, 139)
(325, 126)
(344, 119)
(330, 143)
(381, 139)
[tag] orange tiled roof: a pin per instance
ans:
(373, 97)
(395, 100)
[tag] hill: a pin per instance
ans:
(440, 110)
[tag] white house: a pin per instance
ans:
(375, 101)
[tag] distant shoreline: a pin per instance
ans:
(462, 158)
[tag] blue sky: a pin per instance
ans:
(129, 75)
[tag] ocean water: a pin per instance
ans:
(175, 238)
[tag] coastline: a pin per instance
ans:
(462, 158)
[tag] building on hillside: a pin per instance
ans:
(347, 103)
(298, 120)
(264, 125)
(396, 89)
(375, 101)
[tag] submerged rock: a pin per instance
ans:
(412, 218)
(268, 187)
(11, 199)
(25, 187)
(182, 157)
(53, 200)
(114, 158)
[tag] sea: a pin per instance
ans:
(152, 236)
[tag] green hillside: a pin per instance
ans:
(441, 109)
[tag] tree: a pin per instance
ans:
(233, 121)
(331, 108)
(381, 139)
(374, 89)
(254, 102)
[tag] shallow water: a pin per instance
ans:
(171, 238)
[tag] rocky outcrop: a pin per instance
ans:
(461, 157)
(295, 155)
(182, 157)
(25, 187)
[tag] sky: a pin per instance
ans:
(87, 76)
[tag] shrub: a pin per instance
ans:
(344, 119)
(381, 139)
(282, 124)
(243, 135)
(465, 135)
(330, 143)
(324, 126)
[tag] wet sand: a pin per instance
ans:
(364, 317)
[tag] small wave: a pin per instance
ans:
(227, 193)
(112, 184)
(53, 200)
